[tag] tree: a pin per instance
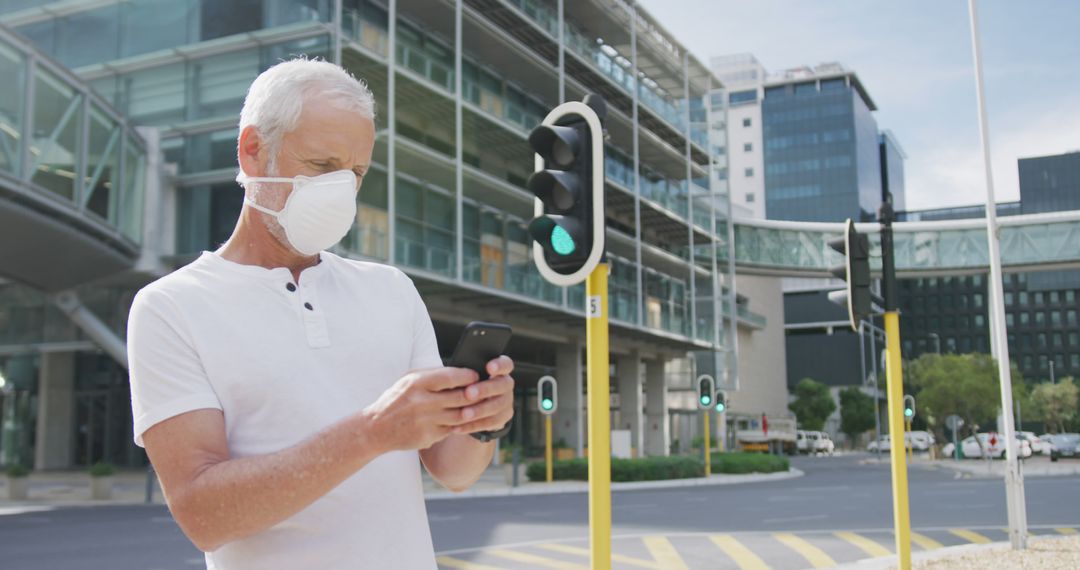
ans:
(856, 412)
(962, 384)
(1055, 404)
(813, 404)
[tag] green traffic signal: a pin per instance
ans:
(720, 406)
(706, 400)
(547, 404)
(908, 412)
(562, 242)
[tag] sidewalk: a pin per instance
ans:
(64, 489)
(1042, 552)
(1036, 466)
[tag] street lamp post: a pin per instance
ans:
(937, 342)
(1052, 380)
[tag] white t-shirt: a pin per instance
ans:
(284, 360)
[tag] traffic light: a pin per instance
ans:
(706, 391)
(721, 403)
(548, 400)
(855, 248)
(909, 407)
(568, 230)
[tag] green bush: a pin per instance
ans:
(622, 470)
(102, 470)
(17, 470)
(737, 462)
(699, 442)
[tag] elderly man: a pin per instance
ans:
(286, 396)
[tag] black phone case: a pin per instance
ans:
(479, 344)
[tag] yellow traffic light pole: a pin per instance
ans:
(897, 451)
(708, 459)
(547, 444)
(596, 330)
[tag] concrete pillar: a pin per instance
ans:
(629, 371)
(56, 411)
(657, 436)
(569, 421)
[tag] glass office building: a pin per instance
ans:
(949, 314)
(458, 86)
(821, 148)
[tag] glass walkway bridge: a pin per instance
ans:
(72, 174)
(1034, 242)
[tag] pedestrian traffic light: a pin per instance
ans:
(548, 400)
(568, 230)
(721, 402)
(855, 248)
(706, 391)
(909, 407)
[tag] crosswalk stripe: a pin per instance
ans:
(1065, 530)
(814, 555)
(742, 555)
(587, 553)
(925, 542)
(664, 553)
(534, 559)
(865, 544)
(463, 564)
(970, 536)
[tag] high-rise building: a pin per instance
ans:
(949, 314)
(130, 109)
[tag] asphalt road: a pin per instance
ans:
(837, 494)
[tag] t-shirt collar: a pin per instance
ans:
(258, 272)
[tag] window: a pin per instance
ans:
(748, 147)
(1074, 361)
(1008, 299)
(1040, 340)
(1040, 318)
(1070, 296)
(1057, 340)
(980, 321)
(750, 200)
(1055, 318)
(1039, 298)
(1025, 318)
(1055, 298)
(978, 299)
(739, 97)
(1074, 339)
(746, 122)
(1023, 298)
(1009, 320)
(749, 172)
(1070, 317)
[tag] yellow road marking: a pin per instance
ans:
(1065, 530)
(814, 555)
(970, 536)
(463, 564)
(664, 553)
(742, 555)
(865, 544)
(534, 559)
(925, 542)
(615, 557)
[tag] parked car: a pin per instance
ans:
(1038, 445)
(971, 448)
(882, 442)
(1064, 445)
(824, 444)
(802, 442)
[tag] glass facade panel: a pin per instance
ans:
(12, 94)
(131, 209)
(55, 143)
(101, 186)
(152, 25)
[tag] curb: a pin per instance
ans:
(583, 487)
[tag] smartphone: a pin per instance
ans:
(479, 344)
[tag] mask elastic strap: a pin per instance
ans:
(266, 179)
(262, 209)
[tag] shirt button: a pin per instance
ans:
(309, 307)
(290, 287)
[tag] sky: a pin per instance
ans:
(915, 59)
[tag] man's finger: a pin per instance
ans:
(494, 423)
(501, 366)
(485, 409)
(489, 388)
(449, 378)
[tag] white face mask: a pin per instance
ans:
(319, 211)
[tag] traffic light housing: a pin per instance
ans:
(909, 407)
(568, 230)
(855, 247)
(547, 400)
(706, 391)
(721, 403)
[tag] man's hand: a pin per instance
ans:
(458, 461)
(491, 401)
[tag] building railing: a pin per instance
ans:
(62, 143)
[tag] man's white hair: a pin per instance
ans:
(277, 96)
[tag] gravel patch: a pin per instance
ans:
(1043, 553)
